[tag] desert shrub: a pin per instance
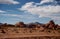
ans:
(30, 31)
(3, 31)
(41, 31)
(15, 30)
(23, 32)
(58, 30)
(49, 31)
(0, 27)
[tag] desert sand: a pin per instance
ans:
(30, 31)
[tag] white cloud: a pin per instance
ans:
(18, 16)
(1, 11)
(14, 15)
(8, 2)
(47, 1)
(42, 11)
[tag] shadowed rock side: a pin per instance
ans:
(20, 29)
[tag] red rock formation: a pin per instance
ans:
(31, 25)
(51, 24)
(20, 24)
(58, 27)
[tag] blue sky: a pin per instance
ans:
(12, 11)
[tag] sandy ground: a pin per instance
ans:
(25, 32)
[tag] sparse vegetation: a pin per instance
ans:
(32, 28)
(2, 31)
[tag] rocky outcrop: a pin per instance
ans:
(49, 25)
(20, 24)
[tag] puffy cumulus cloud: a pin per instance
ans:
(42, 11)
(1, 11)
(8, 2)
